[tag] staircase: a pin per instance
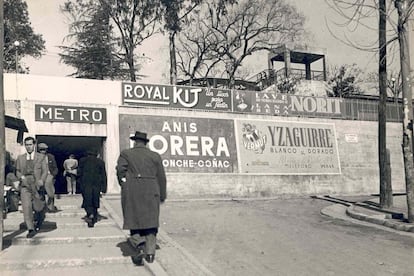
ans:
(66, 246)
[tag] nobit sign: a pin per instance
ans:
(70, 114)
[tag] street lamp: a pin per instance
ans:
(16, 45)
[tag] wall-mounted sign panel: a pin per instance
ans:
(176, 96)
(191, 145)
(70, 114)
(273, 147)
(285, 104)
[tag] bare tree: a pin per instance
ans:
(242, 29)
(405, 10)
(135, 22)
(364, 8)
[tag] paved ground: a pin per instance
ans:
(296, 236)
(279, 237)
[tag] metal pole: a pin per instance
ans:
(407, 145)
(2, 125)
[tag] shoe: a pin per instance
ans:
(90, 221)
(31, 234)
(54, 209)
(149, 258)
(137, 260)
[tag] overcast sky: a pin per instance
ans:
(47, 20)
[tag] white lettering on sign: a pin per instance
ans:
(190, 145)
(146, 94)
(188, 94)
(179, 127)
(319, 105)
(70, 114)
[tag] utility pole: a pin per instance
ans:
(2, 125)
(407, 144)
(386, 199)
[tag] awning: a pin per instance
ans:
(17, 124)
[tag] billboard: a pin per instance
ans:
(191, 145)
(281, 104)
(176, 96)
(277, 147)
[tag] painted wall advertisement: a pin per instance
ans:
(176, 96)
(285, 104)
(273, 147)
(193, 145)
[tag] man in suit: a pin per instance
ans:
(93, 182)
(31, 170)
(51, 176)
(143, 187)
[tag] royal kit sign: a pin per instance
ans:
(176, 96)
(192, 145)
(70, 114)
(299, 148)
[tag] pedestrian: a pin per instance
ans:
(93, 182)
(70, 165)
(31, 170)
(51, 177)
(143, 187)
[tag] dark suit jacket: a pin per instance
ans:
(53, 168)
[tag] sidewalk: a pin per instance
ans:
(366, 208)
(66, 246)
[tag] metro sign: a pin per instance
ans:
(70, 114)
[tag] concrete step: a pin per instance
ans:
(15, 224)
(66, 235)
(18, 257)
(63, 213)
(125, 269)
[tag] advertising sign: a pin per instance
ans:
(281, 104)
(273, 147)
(191, 145)
(176, 96)
(70, 114)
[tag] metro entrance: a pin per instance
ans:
(62, 146)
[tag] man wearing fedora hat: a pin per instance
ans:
(51, 176)
(143, 187)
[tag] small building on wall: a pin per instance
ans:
(213, 142)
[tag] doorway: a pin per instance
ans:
(62, 146)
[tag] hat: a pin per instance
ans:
(139, 136)
(91, 152)
(42, 146)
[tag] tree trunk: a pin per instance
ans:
(407, 145)
(2, 131)
(173, 61)
(386, 200)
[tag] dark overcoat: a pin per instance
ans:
(93, 180)
(144, 189)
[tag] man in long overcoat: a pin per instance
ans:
(93, 181)
(143, 187)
